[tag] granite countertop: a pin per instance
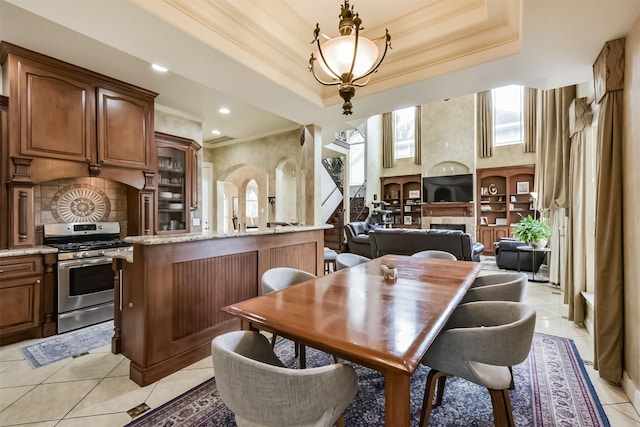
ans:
(193, 237)
(34, 250)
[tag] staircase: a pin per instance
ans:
(334, 238)
(358, 209)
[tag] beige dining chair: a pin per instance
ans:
(278, 278)
(347, 259)
(432, 253)
(254, 384)
(498, 287)
(480, 342)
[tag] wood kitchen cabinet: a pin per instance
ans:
(177, 182)
(73, 122)
(27, 294)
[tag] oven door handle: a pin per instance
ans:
(84, 263)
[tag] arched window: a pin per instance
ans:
(225, 212)
(252, 203)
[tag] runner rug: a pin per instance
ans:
(68, 345)
(552, 389)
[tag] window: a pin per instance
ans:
(356, 159)
(404, 132)
(225, 212)
(507, 115)
(252, 202)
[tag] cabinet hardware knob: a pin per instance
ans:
(38, 281)
(130, 305)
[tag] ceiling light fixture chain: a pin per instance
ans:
(347, 59)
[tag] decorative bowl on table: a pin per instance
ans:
(390, 272)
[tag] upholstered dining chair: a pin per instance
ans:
(260, 391)
(498, 287)
(346, 260)
(480, 342)
(278, 278)
(432, 253)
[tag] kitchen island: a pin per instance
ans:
(170, 291)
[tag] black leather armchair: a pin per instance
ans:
(507, 256)
(358, 238)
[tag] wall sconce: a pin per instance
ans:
(272, 200)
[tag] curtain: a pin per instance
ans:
(609, 286)
(387, 141)
(484, 123)
(530, 119)
(575, 277)
(552, 171)
(417, 156)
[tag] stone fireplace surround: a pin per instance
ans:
(468, 221)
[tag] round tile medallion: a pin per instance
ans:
(80, 204)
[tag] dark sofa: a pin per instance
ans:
(507, 256)
(403, 241)
(358, 238)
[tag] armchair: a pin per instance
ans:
(507, 256)
(358, 238)
(260, 391)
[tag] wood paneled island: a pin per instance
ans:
(169, 293)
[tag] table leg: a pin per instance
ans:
(518, 259)
(397, 399)
(533, 265)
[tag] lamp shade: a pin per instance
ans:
(338, 52)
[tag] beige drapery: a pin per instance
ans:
(530, 119)
(609, 286)
(417, 154)
(552, 171)
(575, 277)
(484, 123)
(387, 141)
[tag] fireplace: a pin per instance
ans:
(461, 227)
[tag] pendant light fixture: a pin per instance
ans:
(347, 59)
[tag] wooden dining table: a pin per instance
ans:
(358, 315)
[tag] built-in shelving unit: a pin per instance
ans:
(404, 197)
(504, 197)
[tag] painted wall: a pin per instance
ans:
(448, 135)
(631, 213)
(267, 154)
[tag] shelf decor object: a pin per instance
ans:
(348, 59)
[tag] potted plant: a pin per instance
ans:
(532, 231)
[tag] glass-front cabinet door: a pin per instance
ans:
(177, 163)
(172, 214)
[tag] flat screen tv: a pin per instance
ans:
(451, 188)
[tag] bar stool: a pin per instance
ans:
(329, 260)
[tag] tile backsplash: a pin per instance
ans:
(50, 209)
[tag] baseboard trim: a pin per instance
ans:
(632, 391)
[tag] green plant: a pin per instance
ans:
(531, 230)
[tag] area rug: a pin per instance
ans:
(68, 344)
(552, 389)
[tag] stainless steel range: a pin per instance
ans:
(85, 274)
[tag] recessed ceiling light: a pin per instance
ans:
(159, 68)
(215, 132)
(224, 110)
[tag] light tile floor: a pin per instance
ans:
(95, 389)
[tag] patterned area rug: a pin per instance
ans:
(552, 389)
(68, 345)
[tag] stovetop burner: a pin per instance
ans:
(91, 245)
(84, 240)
